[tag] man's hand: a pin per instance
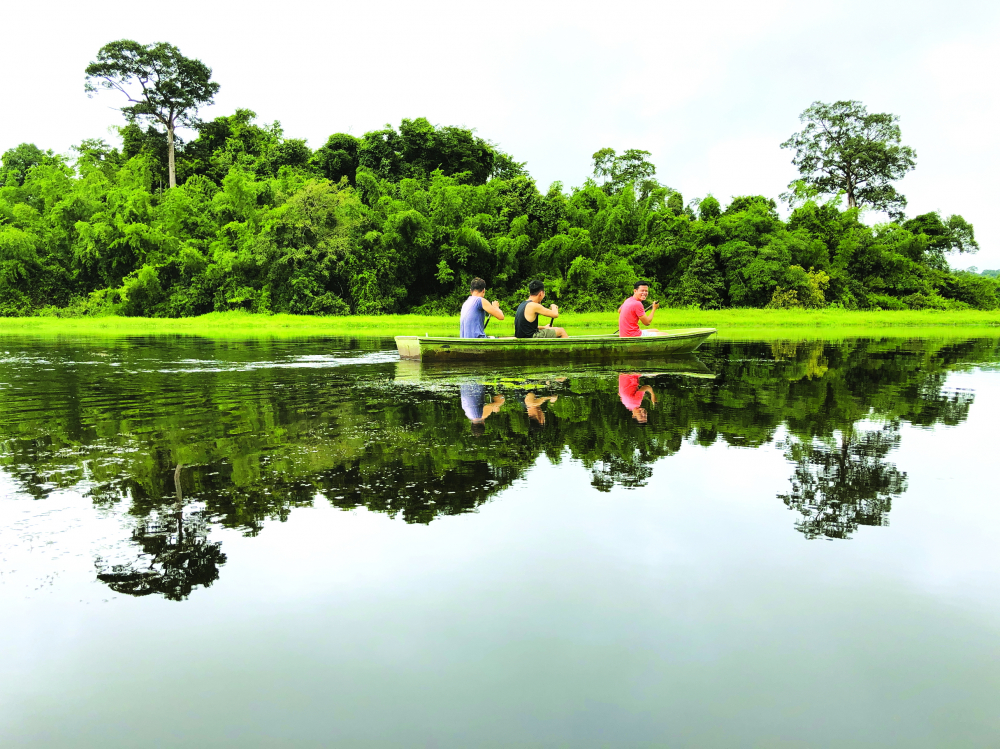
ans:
(656, 306)
(554, 307)
(496, 304)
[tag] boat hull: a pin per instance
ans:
(665, 343)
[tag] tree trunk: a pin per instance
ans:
(171, 172)
(177, 482)
(179, 515)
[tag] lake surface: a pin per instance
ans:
(310, 543)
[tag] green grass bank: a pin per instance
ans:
(735, 323)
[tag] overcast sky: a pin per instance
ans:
(711, 89)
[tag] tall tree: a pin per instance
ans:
(843, 148)
(159, 82)
(618, 171)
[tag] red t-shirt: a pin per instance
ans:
(628, 391)
(628, 318)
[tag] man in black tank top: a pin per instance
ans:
(526, 318)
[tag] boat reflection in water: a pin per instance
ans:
(481, 396)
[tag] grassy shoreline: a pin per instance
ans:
(734, 324)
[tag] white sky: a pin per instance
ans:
(711, 89)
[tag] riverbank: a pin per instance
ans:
(737, 324)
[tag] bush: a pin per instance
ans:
(885, 302)
(976, 291)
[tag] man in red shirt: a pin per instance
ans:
(633, 311)
(632, 394)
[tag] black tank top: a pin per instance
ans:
(523, 328)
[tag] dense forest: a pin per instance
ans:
(400, 220)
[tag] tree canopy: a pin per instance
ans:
(400, 219)
(631, 168)
(844, 148)
(158, 82)
(16, 163)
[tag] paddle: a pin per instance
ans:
(486, 321)
(487, 317)
(645, 311)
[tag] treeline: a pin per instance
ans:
(399, 220)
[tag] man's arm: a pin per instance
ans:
(538, 309)
(534, 401)
(493, 406)
(493, 309)
(647, 319)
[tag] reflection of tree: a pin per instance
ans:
(262, 441)
(417, 496)
(176, 555)
(837, 487)
(622, 470)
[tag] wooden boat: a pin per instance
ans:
(661, 343)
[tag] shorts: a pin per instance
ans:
(545, 333)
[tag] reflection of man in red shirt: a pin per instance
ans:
(633, 311)
(632, 394)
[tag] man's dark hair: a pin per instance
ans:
(477, 284)
(534, 287)
(478, 429)
(640, 283)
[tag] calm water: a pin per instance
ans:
(207, 543)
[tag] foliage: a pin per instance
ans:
(16, 163)
(631, 168)
(805, 290)
(159, 83)
(845, 148)
(400, 220)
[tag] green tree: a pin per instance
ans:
(338, 157)
(171, 87)
(420, 148)
(17, 162)
(709, 209)
(953, 234)
(617, 171)
(844, 148)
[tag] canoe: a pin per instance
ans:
(663, 343)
